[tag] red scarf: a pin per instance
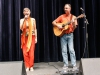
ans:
(29, 41)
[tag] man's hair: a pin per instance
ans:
(68, 5)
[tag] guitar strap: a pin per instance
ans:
(71, 17)
(70, 20)
(70, 29)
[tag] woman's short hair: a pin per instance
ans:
(26, 9)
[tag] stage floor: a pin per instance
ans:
(49, 68)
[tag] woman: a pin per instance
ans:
(28, 38)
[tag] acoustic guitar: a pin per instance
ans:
(59, 32)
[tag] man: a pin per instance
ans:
(67, 37)
(28, 38)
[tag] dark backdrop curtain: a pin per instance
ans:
(48, 46)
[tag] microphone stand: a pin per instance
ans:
(86, 36)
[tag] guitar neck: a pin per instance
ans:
(69, 22)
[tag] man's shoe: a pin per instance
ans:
(65, 67)
(75, 68)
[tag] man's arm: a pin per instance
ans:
(55, 22)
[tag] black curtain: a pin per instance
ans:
(48, 46)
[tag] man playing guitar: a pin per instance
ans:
(67, 37)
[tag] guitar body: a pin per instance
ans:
(60, 32)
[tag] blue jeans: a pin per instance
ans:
(68, 39)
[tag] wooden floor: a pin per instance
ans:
(50, 68)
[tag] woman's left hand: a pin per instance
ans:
(35, 40)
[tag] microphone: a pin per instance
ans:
(82, 9)
(86, 21)
(26, 16)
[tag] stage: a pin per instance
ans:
(49, 68)
(87, 66)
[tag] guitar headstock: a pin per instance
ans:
(81, 16)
